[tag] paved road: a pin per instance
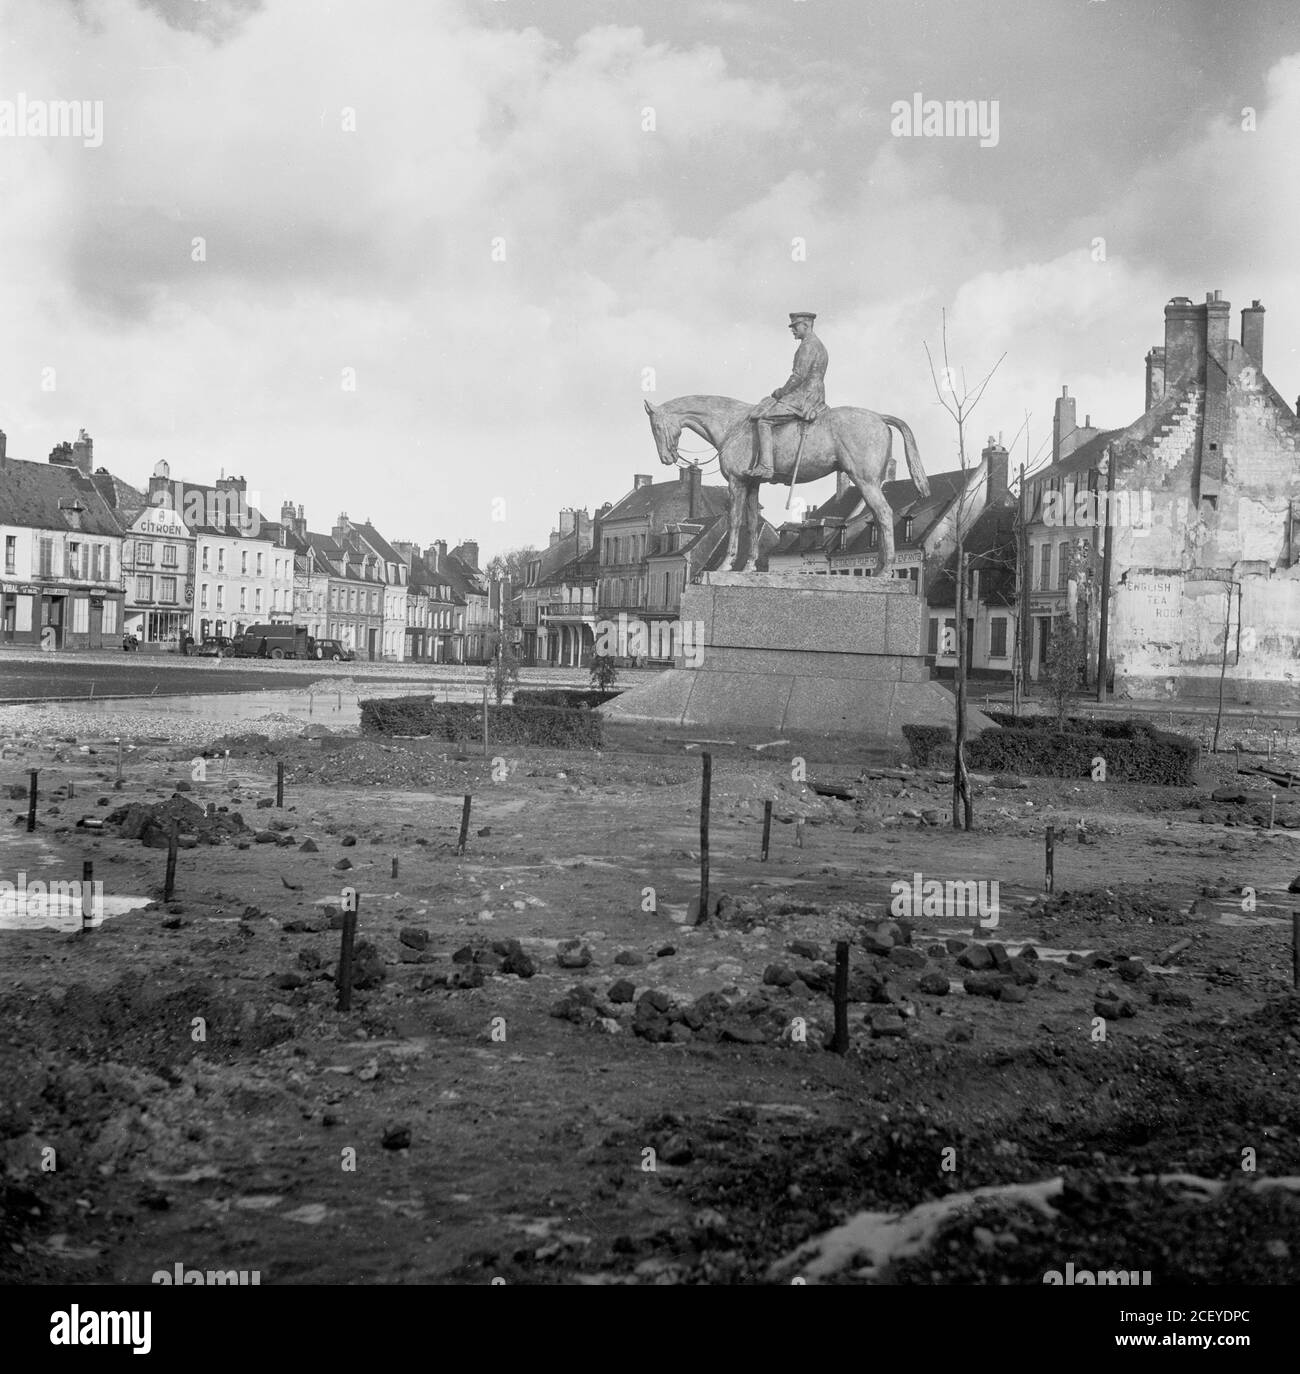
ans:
(48, 677)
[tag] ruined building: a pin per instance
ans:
(1203, 515)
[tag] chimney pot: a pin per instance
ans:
(1252, 331)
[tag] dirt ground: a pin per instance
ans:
(207, 1105)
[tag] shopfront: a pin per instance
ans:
(59, 616)
(158, 566)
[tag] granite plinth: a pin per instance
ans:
(796, 652)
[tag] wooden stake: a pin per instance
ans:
(351, 906)
(1295, 949)
(72, 789)
(840, 1040)
(119, 760)
(1049, 884)
(464, 824)
(31, 800)
(394, 865)
(87, 891)
(767, 826)
(798, 833)
(169, 882)
(279, 784)
(485, 720)
(705, 786)
(1272, 810)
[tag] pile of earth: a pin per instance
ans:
(1235, 806)
(151, 824)
(1094, 905)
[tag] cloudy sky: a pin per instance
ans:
(349, 167)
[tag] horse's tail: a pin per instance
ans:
(921, 481)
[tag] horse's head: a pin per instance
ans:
(667, 430)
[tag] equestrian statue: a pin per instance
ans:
(791, 436)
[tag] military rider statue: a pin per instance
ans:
(802, 397)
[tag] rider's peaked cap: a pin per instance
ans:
(802, 315)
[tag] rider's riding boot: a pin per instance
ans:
(763, 468)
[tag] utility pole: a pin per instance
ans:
(1017, 650)
(1103, 644)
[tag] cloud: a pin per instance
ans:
(626, 248)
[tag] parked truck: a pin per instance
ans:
(273, 641)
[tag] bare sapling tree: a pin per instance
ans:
(1233, 589)
(959, 400)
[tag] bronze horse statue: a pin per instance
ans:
(843, 439)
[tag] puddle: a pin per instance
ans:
(338, 709)
(1235, 918)
(59, 911)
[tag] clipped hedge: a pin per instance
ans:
(562, 696)
(930, 744)
(1134, 751)
(1107, 728)
(462, 722)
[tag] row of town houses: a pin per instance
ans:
(90, 560)
(1198, 498)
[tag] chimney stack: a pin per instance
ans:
(1252, 332)
(4, 446)
(83, 453)
(995, 459)
(1217, 313)
(1063, 426)
(689, 476)
(641, 479)
(1155, 376)
(469, 552)
(439, 553)
(1184, 341)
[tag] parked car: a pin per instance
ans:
(273, 641)
(213, 646)
(333, 649)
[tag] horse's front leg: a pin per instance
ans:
(753, 523)
(735, 516)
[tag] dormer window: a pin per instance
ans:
(874, 536)
(907, 528)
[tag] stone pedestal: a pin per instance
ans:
(796, 651)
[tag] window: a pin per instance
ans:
(257, 598)
(108, 563)
(260, 557)
(11, 553)
(46, 564)
(932, 643)
(243, 598)
(144, 589)
(1045, 568)
(169, 555)
(72, 557)
(998, 637)
(221, 560)
(874, 537)
(1063, 568)
(221, 596)
(204, 557)
(203, 596)
(907, 529)
(143, 553)
(167, 589)
(109, 623)
(94, 562)
(81, 615)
